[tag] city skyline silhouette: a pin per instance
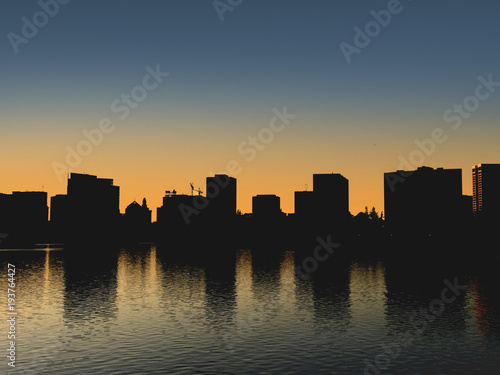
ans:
(425, 201)
(250, 187)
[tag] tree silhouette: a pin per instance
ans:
(373, 214)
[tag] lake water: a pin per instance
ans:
(143, 311)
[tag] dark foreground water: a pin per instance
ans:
(244, 312)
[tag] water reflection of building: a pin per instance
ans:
(90, 288)
(486, 306)
(220, 291)
(330, 286)
(410, 292)
(181, 292)
(266, 276)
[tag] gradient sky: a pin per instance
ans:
(226, 77)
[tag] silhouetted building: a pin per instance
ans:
(93, 206)
(486, 190)
(30, 208)
(221, 193)
(304, 204)
(138, 215)
(324, 210)
(59, 209)
(59, 216)
(267, 222)
(24, 213)
(197, 215)
(137, 221)
(331, 193)
(219, 216)
(177, 211)
(424, 201)
(4, 211)
(266, 206)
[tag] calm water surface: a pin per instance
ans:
(143, 312)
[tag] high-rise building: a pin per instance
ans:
(486, 190)
(326, 208)
(59, 209)
(221, 194)
(266, 206)
(304, 204)
(331, 195)
(426, 200)
(93, 206)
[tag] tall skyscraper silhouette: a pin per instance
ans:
(325, 210)
(304, 204)
(90, 210)
(93, 198)
(424, 201)
(331, 192)
(486, 190)
(59, 210)
(221, 192)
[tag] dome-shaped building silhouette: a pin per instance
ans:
(138, 219)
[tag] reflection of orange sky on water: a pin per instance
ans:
(367, 292)
(244, 290)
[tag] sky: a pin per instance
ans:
(356, 103)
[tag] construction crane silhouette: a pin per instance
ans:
(193, 190)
